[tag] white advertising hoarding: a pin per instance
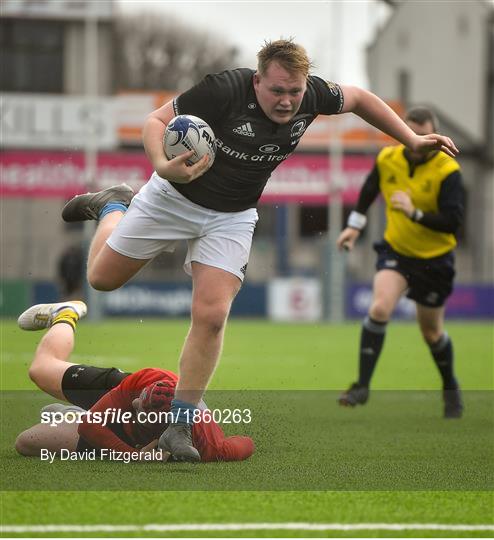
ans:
(295, 299)
(56, 121)
(57, 9)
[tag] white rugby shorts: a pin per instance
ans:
(159, 217)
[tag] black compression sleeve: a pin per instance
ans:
(369, 191)
(451, 205)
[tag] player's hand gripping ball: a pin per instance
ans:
(186, 132)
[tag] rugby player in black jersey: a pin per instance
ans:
(424, 200)
(258, 118)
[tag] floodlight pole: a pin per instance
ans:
(335, 287)
(94, 299)
(334, 275)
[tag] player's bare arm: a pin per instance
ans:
(373, 110)
(175, 170)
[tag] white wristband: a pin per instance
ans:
(356, 220)
(417, 215)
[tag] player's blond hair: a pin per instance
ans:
(288, 54)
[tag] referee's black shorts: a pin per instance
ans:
(430, 281)
(84, 385)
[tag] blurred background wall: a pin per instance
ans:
(78, 79)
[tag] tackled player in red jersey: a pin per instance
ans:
(93, 391)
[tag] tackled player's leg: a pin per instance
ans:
(51, 359)
(51, 369)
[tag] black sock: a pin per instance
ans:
(442, 352)
(371, 343)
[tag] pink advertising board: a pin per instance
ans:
(61, 174)
(302, 179)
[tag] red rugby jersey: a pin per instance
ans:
(208, 437)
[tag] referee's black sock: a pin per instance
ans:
(371, 344)
(442, 352)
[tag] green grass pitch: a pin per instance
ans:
(393, 461)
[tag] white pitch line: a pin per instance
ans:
(246, 527)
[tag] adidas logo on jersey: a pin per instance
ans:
(245, 129)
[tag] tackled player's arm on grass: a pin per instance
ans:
(212, 444)
(99, 435)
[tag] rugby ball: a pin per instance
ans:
(186, 132)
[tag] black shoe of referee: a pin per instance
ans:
(357, 394)
(453, 404)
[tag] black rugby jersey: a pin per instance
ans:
(250, 145)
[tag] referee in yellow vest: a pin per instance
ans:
(424, 199)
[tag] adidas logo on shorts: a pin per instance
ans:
(245, 129)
